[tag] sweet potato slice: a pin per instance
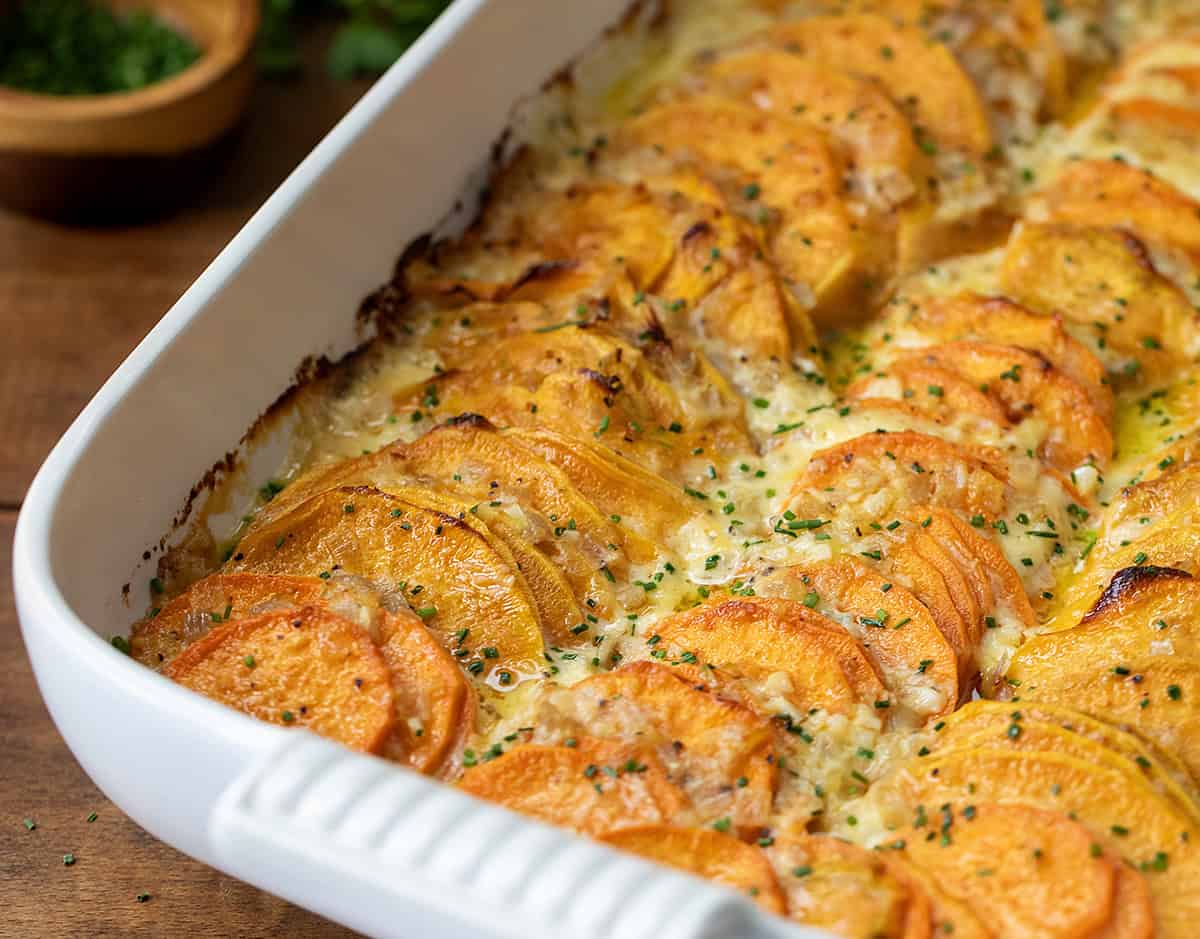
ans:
(970, 316)
(1155, 763)
(643, 500)
(847, 890)
(469, 593)
(557, 609)
(994, 581)
(669, 236)
(1103, 280)
(592, 787)
(476, 472)
(969, 605)
(300, 668)
(1169, 110)
(1156, 697)
(1007, 47)
(1144, 611)
(1123, 815)
(747, 313)
(911, 568)
(1028, 387)
(720, 285)
(525, 226)
(923, 77)
(707, 743)
(756, 637)
(1112, 193)
(948, 915)
(435, 704)
(433, 701)
(786, 176)
(584, 383)
(708, 854)
(1155, 523)
(1158, 117)
(918, 664)
(911, 468)
(476, 460)
(1027, 872)
(497, 474)
(221, 598)
(1133, 907)
(858, 114)
(924, 383)
(1021, 725)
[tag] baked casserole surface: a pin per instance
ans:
(792, 475)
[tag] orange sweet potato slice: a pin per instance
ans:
(948, 916)
(301, 668)
(667, 236)
(1133, 907)
(433, 701)
(924, 383)
(220, 598)
(923, 77)
(1103, 280)
(913, 468)
(910, 567)
(747, 312)
(917, 662)
(1027, 872)
(709, 854)
(709, 744)
(559, 611)
(1029, 726)
(469, 593)
(720, 286)
(855, 111)
(1144, 610)
(435, 705)
(785, 174)
(642, 500)
(847, 890)
(1151, 523)
(577, 381)
(970, 606)
(1123, 815)
(1163, 769)
(592, 787)
(1007, 47)
(994, 581)
(1159, 117)
(1027, 386)
(1169, 110)
(970, 316)
(755, 637)
(531, 225)
(1112, 193)
(554, 595)
(1156, 697)
(475, 461)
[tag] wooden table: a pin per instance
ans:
(73, 303)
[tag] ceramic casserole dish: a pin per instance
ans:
(377, 848)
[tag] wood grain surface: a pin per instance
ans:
(73, 303)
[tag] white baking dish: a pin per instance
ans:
(361, 841)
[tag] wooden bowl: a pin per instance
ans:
(124, 155)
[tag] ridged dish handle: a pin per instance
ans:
(392, 853)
